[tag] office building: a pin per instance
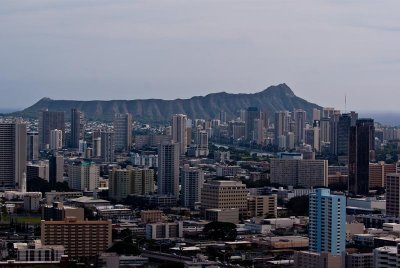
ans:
(179, 131)
(192, 180)
(56, 139)
(378, 172)
(168, 169)
(224, 195)
(164, 230)
(222, 117)
(325, 126)
(35, 252)
(56, 169)
(12, 154)
(49, 120)
(58, 212)
(38, 170)
(222, 215)
(107, 146)
(327, 222)
(123, 132)
(83, 175)
(387, 257)
(361, 149)
(32, 143)
(262, 206)
(76, 128)
(251, 114)
(80, 238)
(360, 260)
(316, 114)
(130, 180)
(392, 186)
(300, 124)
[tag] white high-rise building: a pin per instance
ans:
(192, 180)
(56, 139)
(83, 175)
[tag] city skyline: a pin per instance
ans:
(126, 50)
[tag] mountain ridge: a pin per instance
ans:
(271, 99)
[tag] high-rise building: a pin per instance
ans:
(179, 131)
(279, 126)
(316, 114)
(32, 143)
(325, 136)
(107, 147)
(328, 112)
(333, 126)
(12, 154)
(49, 120)
(192, 180)
(168, 168)
(361, 147)
(392, 185)
(123, 131)
(80, 238)
(327, 222)
(83, 175)
(300, 124)
(56, 169)
(378, 172)
(56, 139)
(251, 114)
(130, 180)
(222, 117)
(76, 128)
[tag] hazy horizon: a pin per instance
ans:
(85, 49)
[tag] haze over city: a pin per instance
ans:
(87, 50)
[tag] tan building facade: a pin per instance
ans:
(307, 259)
(262, 205)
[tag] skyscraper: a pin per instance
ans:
(49, 120)
(279, 126)
(56, 139)
(327, 222)
(179, 129)
(56, 169)
(300, 124)
(168, 168)
(32, 146)
(76, 128)
(123, 131)
(107, 146)
(12, 154)
(251, 114)
(192, 180)
(343, 136)
(361, 147)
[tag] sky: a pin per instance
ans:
(137, 49)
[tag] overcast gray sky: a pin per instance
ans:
(80, 49)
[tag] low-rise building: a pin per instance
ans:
(165, 230)
(307, 259)
(223, 215)
(36, 252)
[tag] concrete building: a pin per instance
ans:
(251, 114)
(83, 175)
(49, 120)
(179, 131)
(123, 131)
(327, 222)
(56, 139)
(378, 172)
(305, 173)
(151, 216)
(393, 194)
(308, 259)
(192, 180)
(360, 260)
(168, 169)
(165, 230)
(262, 206)
(80, 238)
(36, 252)
(222, 215)
(56, 168)
(12, 154)
(123, 182)
(300, 124)
(54, 196)
(38, 170)
(77, 128)
(224, 195)
(107, 149)
(387, 257)
(58, 212)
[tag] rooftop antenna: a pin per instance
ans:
(345, 103)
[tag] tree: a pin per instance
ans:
(298, 206)
(224, 231)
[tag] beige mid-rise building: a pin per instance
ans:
(307, 259)
(130, 180)
(223, 195)
(378, 172)
(80, 238)
(262, 206)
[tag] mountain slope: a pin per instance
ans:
(272, 99)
